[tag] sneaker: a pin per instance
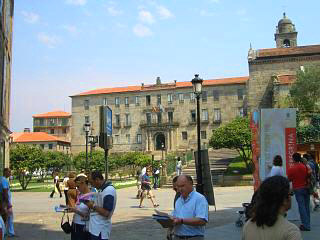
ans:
(303, 228)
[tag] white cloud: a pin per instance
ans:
(146, 17)
(49, 40)
(205, 13)
(164, 12)
(112, 11)
(30, 17)
(71, 29)
(142, 31)
(76, 2)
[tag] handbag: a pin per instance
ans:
(65, 226)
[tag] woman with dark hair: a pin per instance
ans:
(277, 169)
(268, 222)
(298, 174)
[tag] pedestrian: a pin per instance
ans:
(156, 174)
(101, 208)
(277, 169)
(80, 222)
(146, 189)
(65, 188)
(298, 175)
(170, 233)
(268, 220)
(72, 191)
(190, 214)
(2, 228)
(179, 167)
(139, 178)
(7, 200)
(56, 185)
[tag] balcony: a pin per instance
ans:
(117, 125)
(156, 124)
(127, 125)
(192, 122)
(217, 121)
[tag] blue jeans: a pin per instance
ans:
(93, 237)
(303, 199)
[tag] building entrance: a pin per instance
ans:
(160, 141)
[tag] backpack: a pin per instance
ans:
(311, 181)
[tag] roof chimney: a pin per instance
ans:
(158, 81)
(142, 85)
(175, 82)
(26, 130)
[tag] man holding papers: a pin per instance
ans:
(190, 214)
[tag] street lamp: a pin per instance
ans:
(197, 89)
(86, 128)
(93, 140)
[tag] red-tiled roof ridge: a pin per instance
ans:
(272, 52)
(286, 79)
(58, 113)
(35, 137)
(152, 87)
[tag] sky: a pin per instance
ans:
(64, 47)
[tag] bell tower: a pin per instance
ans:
(286, 35)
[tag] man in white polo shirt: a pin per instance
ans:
(102, 208)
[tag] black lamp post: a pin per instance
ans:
(197, 89)
(86, 128)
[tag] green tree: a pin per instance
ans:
(234, 135)
(24, 160)
(56, 161)
(305, 91)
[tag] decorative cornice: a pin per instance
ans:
(284, 59)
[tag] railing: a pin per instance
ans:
(155, 123)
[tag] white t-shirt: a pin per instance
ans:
(98, 223)
(65, 180)
(77, 218)
(277, 171)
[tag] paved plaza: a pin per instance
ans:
(35, 218)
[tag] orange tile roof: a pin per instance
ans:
(52, 114)
(286, 79)
(210, 82)
(277, 52)
(35, 137)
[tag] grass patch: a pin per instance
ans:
(237, 167)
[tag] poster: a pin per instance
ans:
(255, 130)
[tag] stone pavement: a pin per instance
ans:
(35, 218)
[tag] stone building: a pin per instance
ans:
(158, 117)
(147, 117)
(57, 123)
(6, 21)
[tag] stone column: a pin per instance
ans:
(147, 140)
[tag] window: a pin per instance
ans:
(105, 102)
(204, 96)
(217, 115)
(139, 138)
(41, 120)
(148, 118)
(193, 116)
(86, 104)
(137, 100)
(128, 138)
(42, 146)
(203, 134)
(126, 101)
(52, 121)
(170, 117)
(159, 117)
(86, 119)
(51, 131)
(184, 135)
(118, 120)
(181, 97)
(64, 121)
(64, 130)
(117, 139)
(50, 146)
(240, 94)
(170, 98)
(215, 95)
(241, 112)
(192, 97)
(128, 120)
(148, 100)
(117, 101)
(159, 99)
(205, 116)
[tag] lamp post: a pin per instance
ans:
(86, 128)
(197, 89)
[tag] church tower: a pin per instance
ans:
(286, 35)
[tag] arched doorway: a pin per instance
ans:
(160, 141)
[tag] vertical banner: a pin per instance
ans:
(277, 138)
(255, 131)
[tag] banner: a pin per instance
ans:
(255, 130)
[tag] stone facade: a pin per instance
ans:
(168, 121)
(6, 21)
